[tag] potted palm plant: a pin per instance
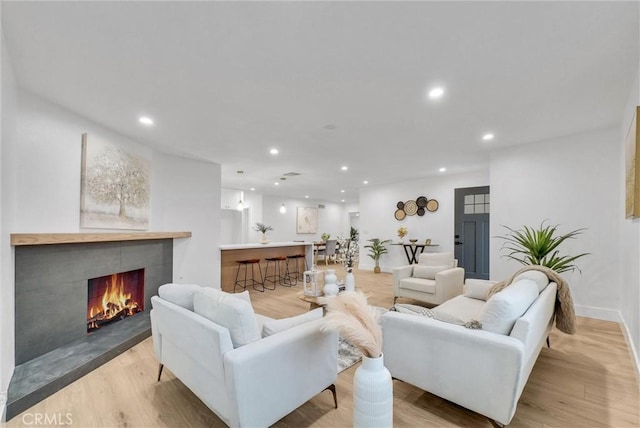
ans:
(531, 246)
(262, 228)
(376, 250)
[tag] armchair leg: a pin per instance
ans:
(548, 342)
(394, 300)
(160, 371)
(332, 388)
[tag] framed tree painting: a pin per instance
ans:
(115, 187)
(632, 168)
(307, 220)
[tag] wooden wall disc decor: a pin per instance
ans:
(399, 215)
(421, 201)
(420, 211)
(432, 205)
(400, 205)
(410, 207)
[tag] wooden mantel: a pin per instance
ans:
(79, 238)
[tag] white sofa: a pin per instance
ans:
(434, 280)
(484, 370)
(245, 379)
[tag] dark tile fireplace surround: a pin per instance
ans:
(52, 347)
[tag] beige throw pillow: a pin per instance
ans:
(502, 310)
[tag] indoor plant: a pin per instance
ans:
(262, 228)
(325, 236)
(376, 250)
(531, 246)
(349, 251)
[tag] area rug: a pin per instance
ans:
(348, 355)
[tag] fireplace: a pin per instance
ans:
(114, 297)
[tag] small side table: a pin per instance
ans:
(312, 300)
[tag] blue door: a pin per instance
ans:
(471, 241)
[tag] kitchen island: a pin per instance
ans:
(231, 253)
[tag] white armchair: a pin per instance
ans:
(245, 379)
(434, 280)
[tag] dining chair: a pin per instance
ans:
(328, 251)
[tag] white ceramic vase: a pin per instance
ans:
(330, 286)
(372, 394)
(349, 280)
(264, 239)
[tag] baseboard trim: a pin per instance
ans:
(634, 352)
(598, 313)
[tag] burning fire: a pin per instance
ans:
(115, 303)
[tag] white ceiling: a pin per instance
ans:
(226, 81)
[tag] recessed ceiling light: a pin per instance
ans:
(252, 189)
(342, 200)
(342, 191)
(306, 196)
(435, 93)
(145, 120)
(487, 137)
(365, 182)
(274, 151)
(443, 169)
(344, 168)
(276, 184)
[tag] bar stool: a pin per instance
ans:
(291, 274)
(243, 282)
(301, 269)
(277, 271)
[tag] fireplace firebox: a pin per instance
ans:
(114, 297)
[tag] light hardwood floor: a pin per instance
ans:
(584, 380)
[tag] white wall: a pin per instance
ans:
(332, 219)
(8, 170)
(378, 204)
(573, 182)
(41, 182)
(629, 264)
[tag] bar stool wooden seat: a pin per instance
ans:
(277, 276)
(250, 281)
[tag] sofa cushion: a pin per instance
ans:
(418, 284)
(436, 259)
(276, 326)
(462, 307)
(503, 309)
(536, 276)
(228, 311)
(436, 314)
(477, 288)
(179, 294)
(428, 272)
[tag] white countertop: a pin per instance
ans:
(259, 245)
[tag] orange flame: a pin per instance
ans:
(114, 301)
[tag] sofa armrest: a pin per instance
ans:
(454, 362)
(449, 283)
(271, 377)
(400, 273)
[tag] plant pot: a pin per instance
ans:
(376, 269)
(372, 394)
(349, 280)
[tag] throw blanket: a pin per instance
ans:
(564, 312)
